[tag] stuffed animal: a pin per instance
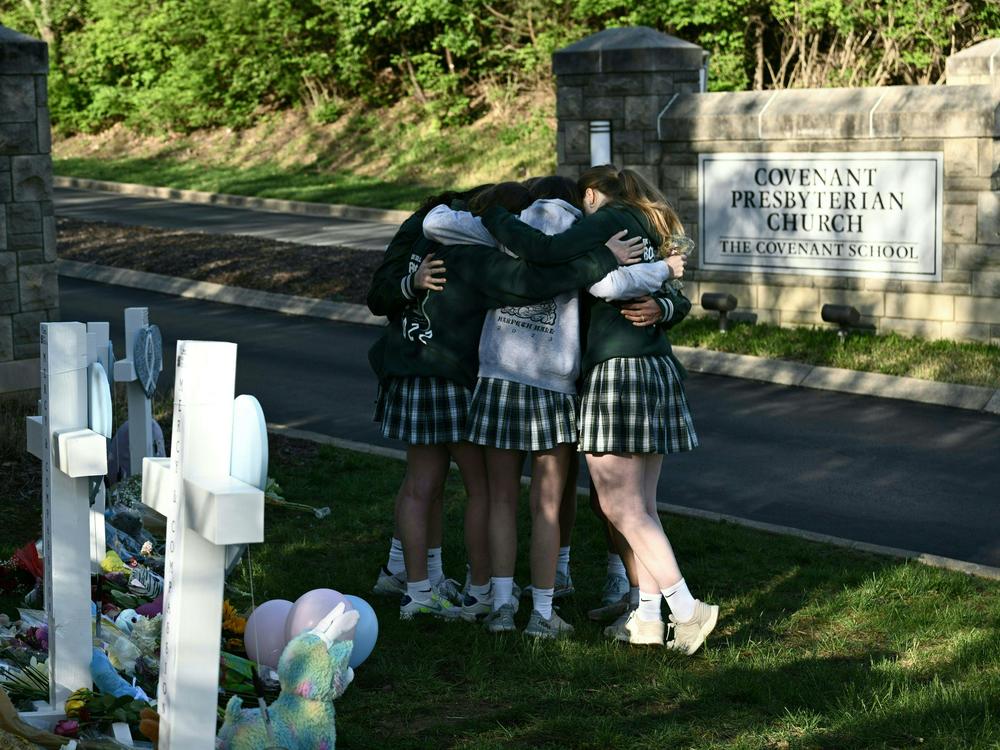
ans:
(313, 671)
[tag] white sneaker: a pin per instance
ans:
(389, 584)
(635, 631)
(475, 608)
(438, 606)
(501, 621)
(688, 636)
(448, 588)
(563, 587)
(554, 627)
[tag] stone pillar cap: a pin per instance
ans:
(630, 49)
(980, 60)
(21, 54)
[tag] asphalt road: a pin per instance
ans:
(189, 217)
(894, 473)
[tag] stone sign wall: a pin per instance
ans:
(29, 294)
(650, 86)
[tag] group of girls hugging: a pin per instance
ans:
(529, 318)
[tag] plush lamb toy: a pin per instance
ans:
(313, 671)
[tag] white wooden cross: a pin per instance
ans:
(70, 452)
(98, 352)
(140, 411)
(210, 490)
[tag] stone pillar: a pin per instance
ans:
(625, 75)
(29, 293)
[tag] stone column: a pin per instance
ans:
(29, 293)
(625, 75)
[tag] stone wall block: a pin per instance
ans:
(988, 230)
(660, 84)
(793, 298)
(641, 111)
(577, 136)
(652, 151)
(49, 238)
(8, 299)
(959, 223)
(926, 329)
(627, 142)
(977, 310)
(41, 91)
(965, 331)
(44, 131)
(8, 268)
(871, 304)
(6, 338)
(39, 287)
(986, 284)
(18, 96)
(32, 176)
(919, 306)
(603, 108)
(963, 286)
(3, 229)
(961, 157)
(746, 294)
(30, 257)
(569, 102)
(976, 257)
(21, 242)
(18, 138)
(614, 85)
(24, 217)
(987, 161)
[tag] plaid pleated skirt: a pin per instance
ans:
(635, 405)
(514, 416)
(423, 410)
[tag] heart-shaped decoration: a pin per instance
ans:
(147, 357)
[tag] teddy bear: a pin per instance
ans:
(313, 671)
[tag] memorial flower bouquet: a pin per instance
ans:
(680, 244)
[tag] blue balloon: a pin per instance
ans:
(365, 633)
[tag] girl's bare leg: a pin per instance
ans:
(548, 482)
(472, 465)
(504, 471)
(426, 470)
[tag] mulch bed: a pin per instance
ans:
(249, 262)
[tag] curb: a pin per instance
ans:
(273, 205)
(745, 366)
(933, 561)
(343, 312)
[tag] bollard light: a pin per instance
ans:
(722, 303)
(845, 316)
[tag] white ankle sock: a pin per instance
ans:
(649, 607)
(435, 571)
(479, 591)
(503, 591)
(396, 564)
(541, 601)
(615, 566)
(563, 565)
(680, 601)
(633, 597)
(419, 591)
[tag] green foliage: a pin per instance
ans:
(179, 65)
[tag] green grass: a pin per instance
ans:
(817, 647)
(265, 180)
(891, 354)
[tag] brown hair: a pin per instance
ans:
(631, 188)
(555, 186)
(510, 195)
(448, 196)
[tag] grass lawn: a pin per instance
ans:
(891, 354)
(817, 647)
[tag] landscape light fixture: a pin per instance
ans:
(600, 142)
(845, 316)
(722, 303)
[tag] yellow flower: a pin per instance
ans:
(231, 621)
(76, 701)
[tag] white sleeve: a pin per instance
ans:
(448, 227)
(629, 282)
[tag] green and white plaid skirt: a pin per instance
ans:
(635, 405)
(515, 416)
(423, 410)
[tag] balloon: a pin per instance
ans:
(309, 609)
(365, 632)
(264, 637)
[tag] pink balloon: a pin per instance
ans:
(312, 607)
(264, 637)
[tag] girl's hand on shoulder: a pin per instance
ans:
(626, 251)
(430, 274)
(642, 312)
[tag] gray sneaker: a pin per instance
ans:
(616, 631)
(389, 584)
(688, 636)
(609, 611)
(448, 588)
(502, 620)
(616, 588)
(438, 606)
(554, 627)
(563, 587)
